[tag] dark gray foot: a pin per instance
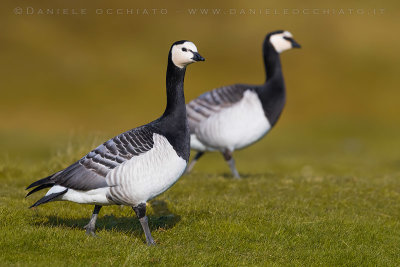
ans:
(235, 173)
(194, 161)
(149, 239)
(231, 162)
(90, 231)
(91, 226)
(140, 211)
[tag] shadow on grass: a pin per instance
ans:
(229, 176)
(160, 219)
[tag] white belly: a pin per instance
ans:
(197, 145)
(235, 127)
(146, 176)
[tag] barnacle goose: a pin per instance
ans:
(235, 116)
(137, 165)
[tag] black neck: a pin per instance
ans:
(272, 62)
(175, 93)
(173, 123)
(272, 92)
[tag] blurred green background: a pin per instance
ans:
(321, 189)
(74, 75)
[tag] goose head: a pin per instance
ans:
(282, 41)
(184, 53)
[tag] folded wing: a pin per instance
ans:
(209, 103)
(89, 172)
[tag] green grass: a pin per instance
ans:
(324, 194)
(322, 189)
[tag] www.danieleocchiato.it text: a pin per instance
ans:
(201, 11)
(285, 11)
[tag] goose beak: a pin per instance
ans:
(295, 44)
(196, 57)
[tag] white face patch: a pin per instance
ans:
(281, 44)
(180, 57)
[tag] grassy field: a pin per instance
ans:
(331, 199)
(322, 189)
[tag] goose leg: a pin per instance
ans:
(231, 162)
(91, 226)
(194, 160)
(140, 211)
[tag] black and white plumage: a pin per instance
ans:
(233, 117)
(137, 165)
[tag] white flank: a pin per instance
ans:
(235, 127)
(147, 175)
(95, 196)
(55, 189)
(197, 145)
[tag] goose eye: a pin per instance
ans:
(184, 49)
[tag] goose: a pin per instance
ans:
(235, 116)
(137, 165)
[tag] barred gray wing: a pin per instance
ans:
(90, 171)
(209, 103)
